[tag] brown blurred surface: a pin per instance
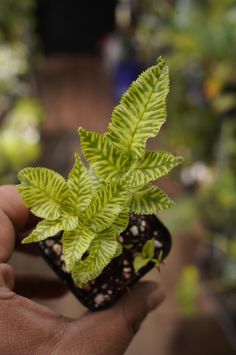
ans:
(77, 92)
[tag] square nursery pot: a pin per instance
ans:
(119, 275)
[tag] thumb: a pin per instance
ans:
(122, 321)
(133, 308)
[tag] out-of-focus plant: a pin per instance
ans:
(20, 114)
(220, 200)
(199, 40)
(19, 138)
(16, 20)
(17, 46)
(217, 209)
(13, 66)
(188, 291)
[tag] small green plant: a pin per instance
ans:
(92, 206)
(147, 255)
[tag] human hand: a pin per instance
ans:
(27, 327)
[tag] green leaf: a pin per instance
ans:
(149, 199)
(80, 186)
(105, 206)
(94, 180)
(152, 166)
(119, 224)
(69, 222)
(119, 250)
(108, 161)
(43, 230)
(158, 260)
(147, 254)
(75, 244)
(148, 249)
(142, 110)
(140, 262)
(101, 251)
(43, 191)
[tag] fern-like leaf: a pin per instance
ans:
(75, 243)
(43, 230)
(69, 222)
(80, 186)
(101, 251)
(119, 250)
(149, 199)
(152, 166)
(43, 191)
(105, 206)
(142, 110)
(119, 224)
(94, 179)
(108, 161)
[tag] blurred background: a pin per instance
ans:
(65, 64)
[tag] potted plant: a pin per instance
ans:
(98, 229)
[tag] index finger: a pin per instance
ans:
(13, 217)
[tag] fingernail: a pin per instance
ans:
(154, 299)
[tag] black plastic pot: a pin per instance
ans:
(119, 275)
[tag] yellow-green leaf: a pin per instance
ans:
(43, 191)
(80, 186)
(108, 161)
(148, 249)
(140, 262)
(101, 251)
(43, 230)
(105, 206)
(142, 110)
(146, 255)
(149, 199)
(119, 250)
(75, 244)
(119, 224)
(152, 166)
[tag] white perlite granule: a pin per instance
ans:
(134, 230)
(100, 298)
(158, 244)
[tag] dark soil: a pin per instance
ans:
(119, 275)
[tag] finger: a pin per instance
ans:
(27, 327)
(121, 322)
(131, 311)
(6, 276)
(13, 216)
(35, 286)
(135, 306)
(12, 205)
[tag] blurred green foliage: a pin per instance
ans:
(198, 40)
(218, 204)
(20, 114)
(188, 291)
(19, 138)
(16, 20)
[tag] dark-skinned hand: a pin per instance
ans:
(28, 328)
